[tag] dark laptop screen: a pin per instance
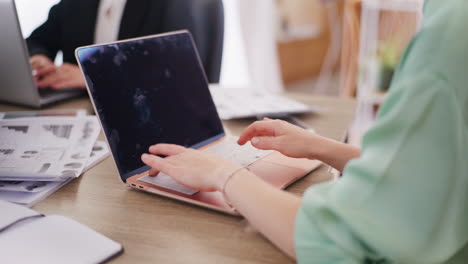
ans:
(149, 91)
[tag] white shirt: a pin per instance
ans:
(109, 16)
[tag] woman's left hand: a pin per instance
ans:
(199, 170)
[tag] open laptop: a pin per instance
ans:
(16, 80)
(154, 90)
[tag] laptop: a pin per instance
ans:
(154, 90)
(16, 80)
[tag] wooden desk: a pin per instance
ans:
(153, 229)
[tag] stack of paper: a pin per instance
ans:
(39, 153)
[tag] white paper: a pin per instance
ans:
(15, 192)
(46, 148)
(55, 239)
(24, 186)
(44, 113)
(29, 199)
(99, 152)
(12, 213)
(241, 103)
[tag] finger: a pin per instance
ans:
(59, 85)
(49, 80)
(65, 83)
(265, 143)
(36, 62)
(44, 70)
(36, 82)
(40, 62)
(258, 128)
(156, 163)
(167, 149)
(153, 172)
(33, 61)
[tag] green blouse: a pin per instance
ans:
(405, 200)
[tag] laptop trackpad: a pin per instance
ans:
(165, 181)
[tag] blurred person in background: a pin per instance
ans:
(72, 24)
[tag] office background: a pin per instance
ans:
(247, 29)
(310, 46)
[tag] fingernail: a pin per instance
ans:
(255, 140)
(144, 156)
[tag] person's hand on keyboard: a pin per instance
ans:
(41, 66)
(196, 169)
(295, 142)
(288, 139)
(64, 76)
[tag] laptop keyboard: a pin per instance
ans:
(228, 149)
(47, 92)
(165, 181)
(243, 155)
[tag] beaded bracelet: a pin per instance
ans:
(223, 190)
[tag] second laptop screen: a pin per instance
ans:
(149, 91)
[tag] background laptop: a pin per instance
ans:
(16, 81)
(153, 90)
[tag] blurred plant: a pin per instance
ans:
(388, 56)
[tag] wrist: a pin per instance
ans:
(231, 180)
(319, 147)
(223, 175)
(313, 146)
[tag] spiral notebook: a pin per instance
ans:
(29, 237)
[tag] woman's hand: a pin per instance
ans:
(288, 139)
(199, 170)
(295, 142)
(258, 201)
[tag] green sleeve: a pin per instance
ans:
(405, 200)
(405, 197)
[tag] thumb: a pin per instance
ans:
(265, 143)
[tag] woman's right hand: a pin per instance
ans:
(279, 135)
